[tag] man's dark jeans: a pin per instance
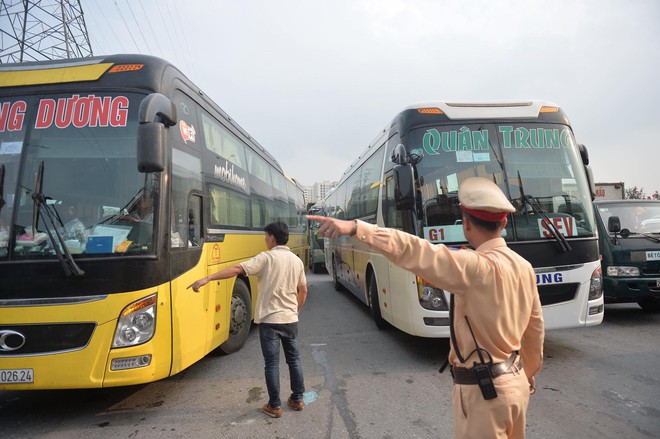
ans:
(271, 334)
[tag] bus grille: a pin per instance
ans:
(45, 339)
(557, 293)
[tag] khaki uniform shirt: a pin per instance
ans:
(493, 286)
(279, 273)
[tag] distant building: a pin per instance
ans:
(318, 191)
(610, 191)
(309, 194)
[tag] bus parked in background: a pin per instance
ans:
(408, 178)
(629, 237)
(316, 243)
(120, 184)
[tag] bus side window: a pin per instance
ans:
(195, 221)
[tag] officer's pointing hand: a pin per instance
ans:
(332, 227)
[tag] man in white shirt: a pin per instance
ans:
(282, 293)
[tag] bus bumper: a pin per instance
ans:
(630, 289)
(567, 315)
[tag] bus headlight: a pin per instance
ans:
(137, 323)
(615, 271)
(430, 297)
(596, 285)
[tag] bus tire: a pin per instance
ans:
(335, 281)
(650, 305)
(374, 304)
(240, 318)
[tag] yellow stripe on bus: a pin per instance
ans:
(13, 78)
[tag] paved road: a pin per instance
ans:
(601, 382)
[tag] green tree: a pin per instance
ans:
(635, 193)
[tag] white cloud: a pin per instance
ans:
(314, 82)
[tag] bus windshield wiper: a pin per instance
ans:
(645, 235)
(57, 241)
(533, 203)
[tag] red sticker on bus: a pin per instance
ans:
(187, 132)
(12, 116)
(563, 224)
(82, 111)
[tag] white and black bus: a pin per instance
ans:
(408, 179)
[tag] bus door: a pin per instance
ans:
(192, 312)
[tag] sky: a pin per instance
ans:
(315, 81)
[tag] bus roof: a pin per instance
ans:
(425, 112)
(147, 72)
(486, 110)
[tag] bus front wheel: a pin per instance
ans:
(374, 304)
(240, 318)
(335, 281)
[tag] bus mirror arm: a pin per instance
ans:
(584, 154)
(157, 108)
(400, 155)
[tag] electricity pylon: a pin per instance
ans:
(42, 30)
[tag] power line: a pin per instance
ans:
(109, 26)
(151, 28)
(139, 27)
(186, 58)
(128, 29)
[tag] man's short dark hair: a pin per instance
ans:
(482, 224)
(279, 230)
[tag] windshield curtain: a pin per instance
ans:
(79, 151)
(532, 163)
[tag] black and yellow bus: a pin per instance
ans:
(121, 183)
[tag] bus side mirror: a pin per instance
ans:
(151, 147)
(155, 114)
(404, 192)
(584, 155)
(590, 181)
(614, 224)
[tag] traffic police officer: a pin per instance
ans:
(497, 319)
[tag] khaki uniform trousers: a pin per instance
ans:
(502, 417)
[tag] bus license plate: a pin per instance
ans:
(16, 376)
(657, 282)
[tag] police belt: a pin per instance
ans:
(465, 375)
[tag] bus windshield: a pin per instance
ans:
(537, 165)
(639, 217)
(77, 153)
